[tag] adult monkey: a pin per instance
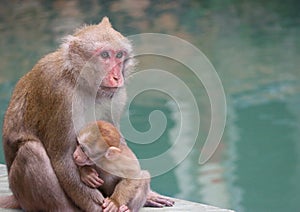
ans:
(39, 136)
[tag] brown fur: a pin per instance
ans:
(109, 133)
(9, 202)
(38, 132)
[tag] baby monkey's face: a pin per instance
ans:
(81, 158)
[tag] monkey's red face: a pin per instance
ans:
(113, 65)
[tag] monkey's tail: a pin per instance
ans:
(9, 202)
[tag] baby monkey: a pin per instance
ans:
(107, 163)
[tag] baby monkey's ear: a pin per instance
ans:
(112, 153)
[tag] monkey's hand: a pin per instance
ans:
(90, 177)
(156, 200)
(109, 205)
(123, 208)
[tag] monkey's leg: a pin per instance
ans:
(143, 189)
(33, 181)
(133, 192)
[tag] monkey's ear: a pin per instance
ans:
(68, 42)
(71, 48)
(105, 22)
(112, 153)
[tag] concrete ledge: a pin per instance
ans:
(180, 205)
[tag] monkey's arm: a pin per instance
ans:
(88, 199)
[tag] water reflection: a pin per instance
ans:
(271, 175)
(255, 48)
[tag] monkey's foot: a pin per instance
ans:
(156, 200)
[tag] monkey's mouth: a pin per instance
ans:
(108, 88)
(111, 90)
(106, 91)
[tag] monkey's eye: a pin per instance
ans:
(104, 54)
(82, 148)
(119, 54)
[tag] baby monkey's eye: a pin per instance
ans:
(119, 54)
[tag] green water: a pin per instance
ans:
(255, 48)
